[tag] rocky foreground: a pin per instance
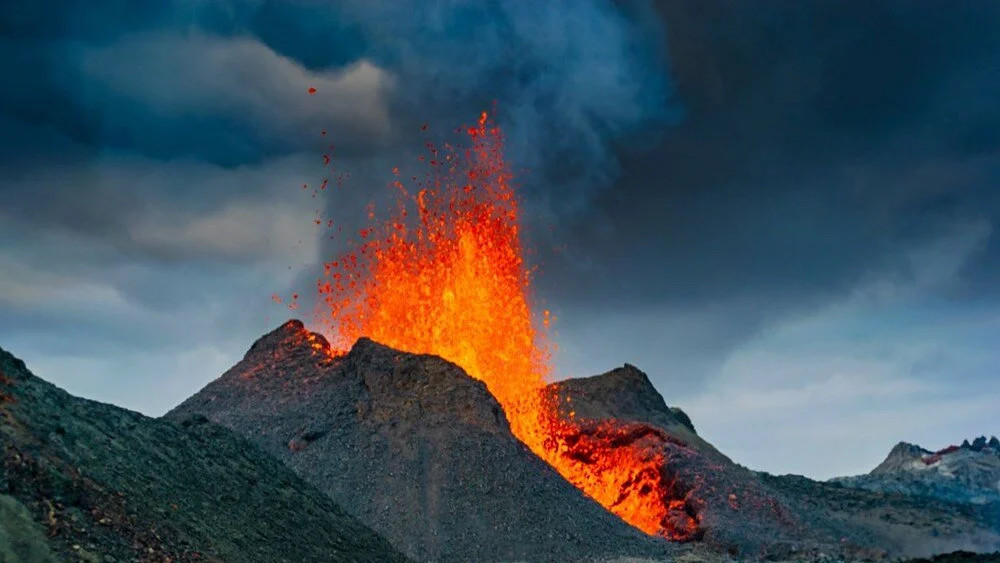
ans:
(85, 481)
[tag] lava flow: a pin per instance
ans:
(445, 275)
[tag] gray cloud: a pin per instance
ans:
(717, 179)
(258, 98)
(172, 211)
(819, 145)
(569, 78)
(889, 361)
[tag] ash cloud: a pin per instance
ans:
(826, 152)
(569, 78)
(153, 152)
(820, 144)
(698, 179)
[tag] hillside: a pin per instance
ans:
(756, 515)
(85, 481)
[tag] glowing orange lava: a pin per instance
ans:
(445, 275)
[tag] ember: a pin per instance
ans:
(445, 275)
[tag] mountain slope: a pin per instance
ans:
(85, 481)
(750, 514)
(625, 394)
(413, 447)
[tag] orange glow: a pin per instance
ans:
(445, 275)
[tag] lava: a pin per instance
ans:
(445, 275)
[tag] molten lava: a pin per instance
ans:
(445, 275)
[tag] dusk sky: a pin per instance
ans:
(786, 213)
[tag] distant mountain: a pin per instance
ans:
(967, 473)
(87, 482)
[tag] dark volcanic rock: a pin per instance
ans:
(961, 557)
(892, 524)
(735, 512)
(85, 481)
(624, 394)
(413, 447)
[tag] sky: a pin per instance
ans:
(784, 213)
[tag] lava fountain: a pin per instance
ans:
(445, 275)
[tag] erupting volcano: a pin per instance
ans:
(446, 275)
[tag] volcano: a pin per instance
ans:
(422, 453)
(445, 275)
(412, 446)
(428, 411)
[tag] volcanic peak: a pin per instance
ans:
(412, 446)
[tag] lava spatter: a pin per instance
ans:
(445, 275)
